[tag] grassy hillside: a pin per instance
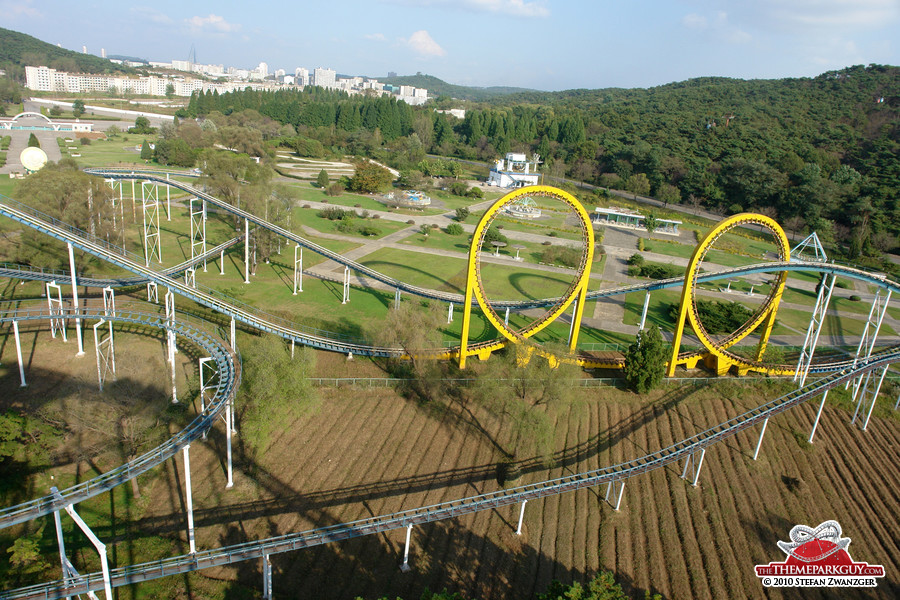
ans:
(18, 50)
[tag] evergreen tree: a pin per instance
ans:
(33, 141)
(645, 360)
(146, 152)
(322, 179)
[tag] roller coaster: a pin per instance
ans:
(863, 369)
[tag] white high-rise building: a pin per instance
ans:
(301, 76)
(324, 77)
(263, 70)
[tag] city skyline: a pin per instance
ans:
(539, 44)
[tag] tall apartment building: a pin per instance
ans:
(301, 76)
(324, 78)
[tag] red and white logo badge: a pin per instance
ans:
(818, 558)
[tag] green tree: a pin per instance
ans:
(33, 141)
(170, 90)
(78, 108)
(602, 587)
(645, 360)
(462, 213)
(517, 385)
(146, 151)
(370, 178)
(492, 235)
(638, 184)
(651, 223)
(142, 126)
(279, 390)
(322, 179)
(25, 558)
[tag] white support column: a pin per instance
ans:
(189, 501)
(57, 313)
(100, 546)
(168, 201)
(19, 354)
(521, 517)
(109, 302)
(152, 292)
(150, 208)
(190, 278)
(233, 336)
(761, 434)
(133, 201)
(267, 577)
(506, 317)
(818, 416)
(75, 300)
(346, 285)
(692, 466)
(405, 566)
(450, 314)
(62, 545)
(870, 334)
(171, 341)
(229, 430)
(816, 322)
(396, 298)
(106, 352)
(611, 490)
(221, 262)
(246, 251)
(644, 311)
(298, 269)
(865, 398)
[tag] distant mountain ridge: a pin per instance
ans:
(438, 87)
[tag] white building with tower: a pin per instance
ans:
(325, 78)
(514, 171)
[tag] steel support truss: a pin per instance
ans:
(69, 572)
(106, 351)
(404, 566)
(190, 277)
(870, 334)
(152, 292)
(117, 184)
(150, 207)
(57, 313)
(692, 465)
(19, 354)
(615, 489)
(815, 328)
(109, 302)
(198, 230)
(209, 385)
(867, 394)
(75, 300)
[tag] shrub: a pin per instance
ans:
(564, 255)
(854, 298)
(435, 226)
(454, 229)
(462, 213)
(306, 206)
(368, 230)
(552, 234)
(376, 216)
(335, 189)
(411, 222)
(641, 244)
(547, 243)
(84, 141)
(357, 205)
(346, 224)
(475, 192)
(332, 213)
(635, 259)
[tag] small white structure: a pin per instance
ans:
(622, 217)
(523, 208)
(415, 198)
(514, 171)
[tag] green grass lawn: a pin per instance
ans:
(116, 152)
(310, 218)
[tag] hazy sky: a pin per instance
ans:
(542, 44)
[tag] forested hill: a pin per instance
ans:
(818, 153)
(18, 50)
(437, 88)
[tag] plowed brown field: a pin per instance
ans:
(369, 452)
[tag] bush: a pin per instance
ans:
(376, 216)
(459, 188)
(346, 224)
(332, 213)
(368, 230)
(84, 141)
(564, 255)
(636, 259)
(306, 206)
(854, 298)
(411, 222)
(475, 192)
(335, 189)
(462, 213)
(717, 316)
(454, 229)
(641, 244)
(552, 234)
